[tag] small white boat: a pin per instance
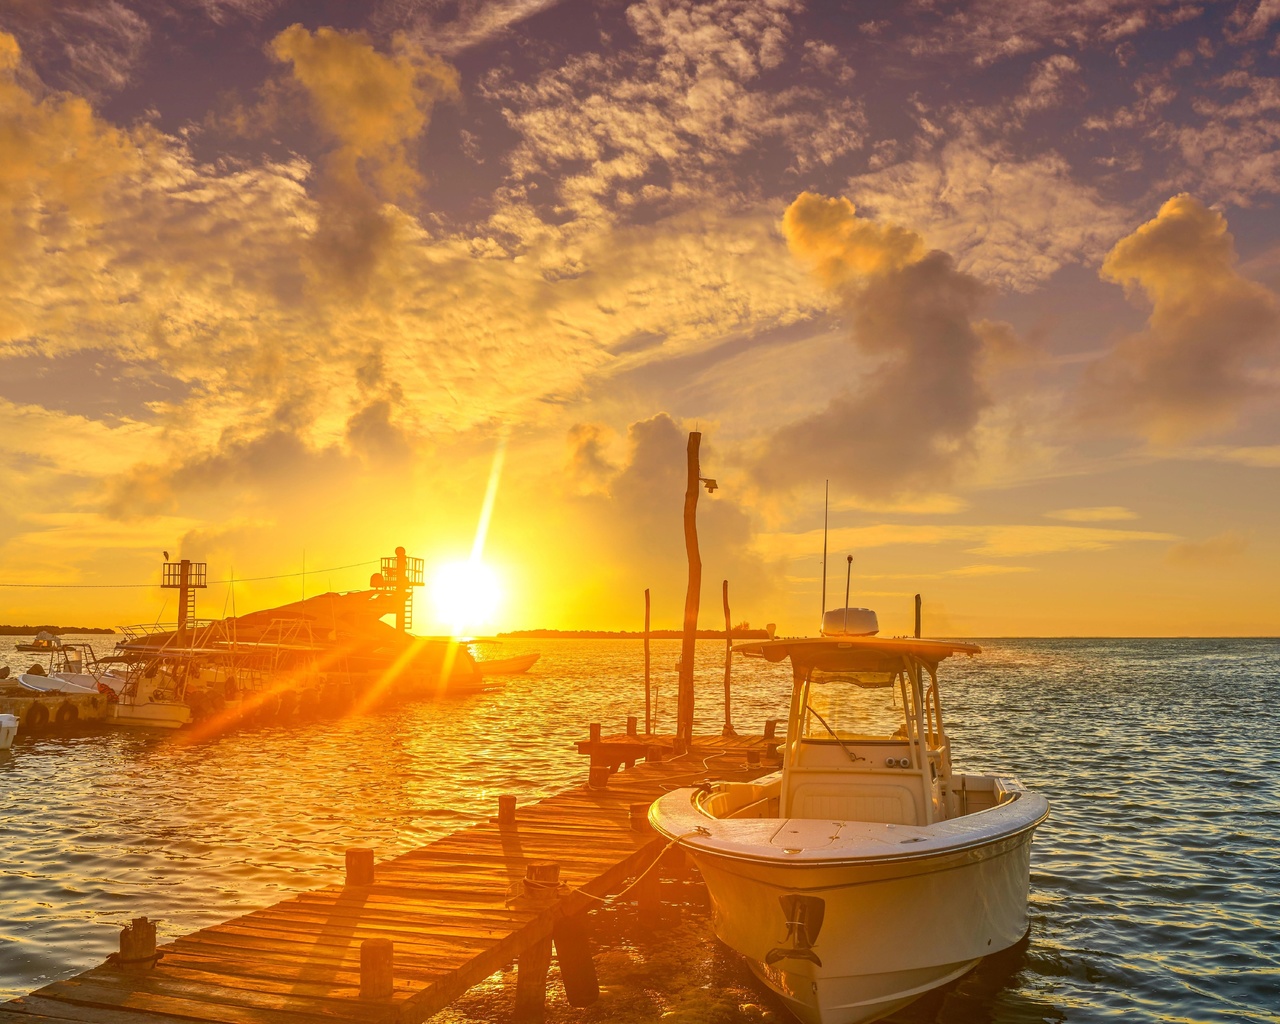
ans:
(153, 696)
(73, 668)
(866, 872)
(8, 730)
(507, 666)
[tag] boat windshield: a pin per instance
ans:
(851, 705)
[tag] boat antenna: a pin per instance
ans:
(848, 575)
(825, 499)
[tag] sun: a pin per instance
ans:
(465, 596)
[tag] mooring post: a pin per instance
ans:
(639, 816)
(598, 776)
(728, 665)
(359, 866)
(648, 699)
(684, 696)
(653, 754)
(593, 732)
(138, 946)
(376, 975)
(753, 756)
(631, 725)
(506, 811)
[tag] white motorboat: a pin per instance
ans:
(866, 872)
(73, 668)
(8, 730)
(153, 696)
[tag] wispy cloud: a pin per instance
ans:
(1220, 550)
(1093, 514)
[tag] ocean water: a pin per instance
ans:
(1155, 882)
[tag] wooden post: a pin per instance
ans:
(138, 946)
(653, 754)
(770, 728)
(598, 776)
(648, 700)
(631, 725)
(917, 616)
(359, 866)
(684, 699)
(639, 814)
(542, 878)
(753, 757)
(593, 731)
(531, 980)
(577, 969)
(649, 900)
(376, 976)
(728, 664)
(506, 811)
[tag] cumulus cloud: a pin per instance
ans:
(1192, 368)
(1009, 222)
(908, 423)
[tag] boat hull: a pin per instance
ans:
(149, 715)
(882, 934)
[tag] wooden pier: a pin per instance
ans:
(405, 937)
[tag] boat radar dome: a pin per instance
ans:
(850, 622)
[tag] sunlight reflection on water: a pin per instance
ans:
(1153, 889)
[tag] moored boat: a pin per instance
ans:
(8, 730)
(507, 666)
(42, 643)
(866, 872)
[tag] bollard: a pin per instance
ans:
(137, 946)
(598, 777)
(654, 754)
(753, 757)
(594, 731)
(631, 725)
(542, 879)
(359, 866)
(639, 814)
(506, 811)
(376, 980)
(770, 728)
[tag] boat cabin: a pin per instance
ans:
(866, 739)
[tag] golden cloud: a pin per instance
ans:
(1192, 368)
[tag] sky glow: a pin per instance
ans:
(280, 277)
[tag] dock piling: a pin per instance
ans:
(359, 866)
(531, 980)
(639, 813)
(506, 811)
(376, 976)
(138, 946)
(631, 725)
(594, 732)
(577, 969)
(542, 879)
(598, 776)
(654, 754)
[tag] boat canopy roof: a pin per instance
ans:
(855, 653)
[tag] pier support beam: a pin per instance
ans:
(577, 969)
(531, 980)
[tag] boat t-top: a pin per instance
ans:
(867, 871)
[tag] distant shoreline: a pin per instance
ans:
(55, 630)
(624, 634)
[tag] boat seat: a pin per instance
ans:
(888, 803)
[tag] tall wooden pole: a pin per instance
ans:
(648, 703)
(917, 616)
(728, 664)
(684, 701)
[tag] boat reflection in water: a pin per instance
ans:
(866, 872)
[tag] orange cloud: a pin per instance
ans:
(1191, 369)
(907, 424)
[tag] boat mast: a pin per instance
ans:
(848, 576)
(822, 619)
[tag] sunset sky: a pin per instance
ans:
(286, 281)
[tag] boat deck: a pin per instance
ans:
(455, 911)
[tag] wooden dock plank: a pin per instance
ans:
(455, 910)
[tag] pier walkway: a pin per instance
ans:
(443, 917)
